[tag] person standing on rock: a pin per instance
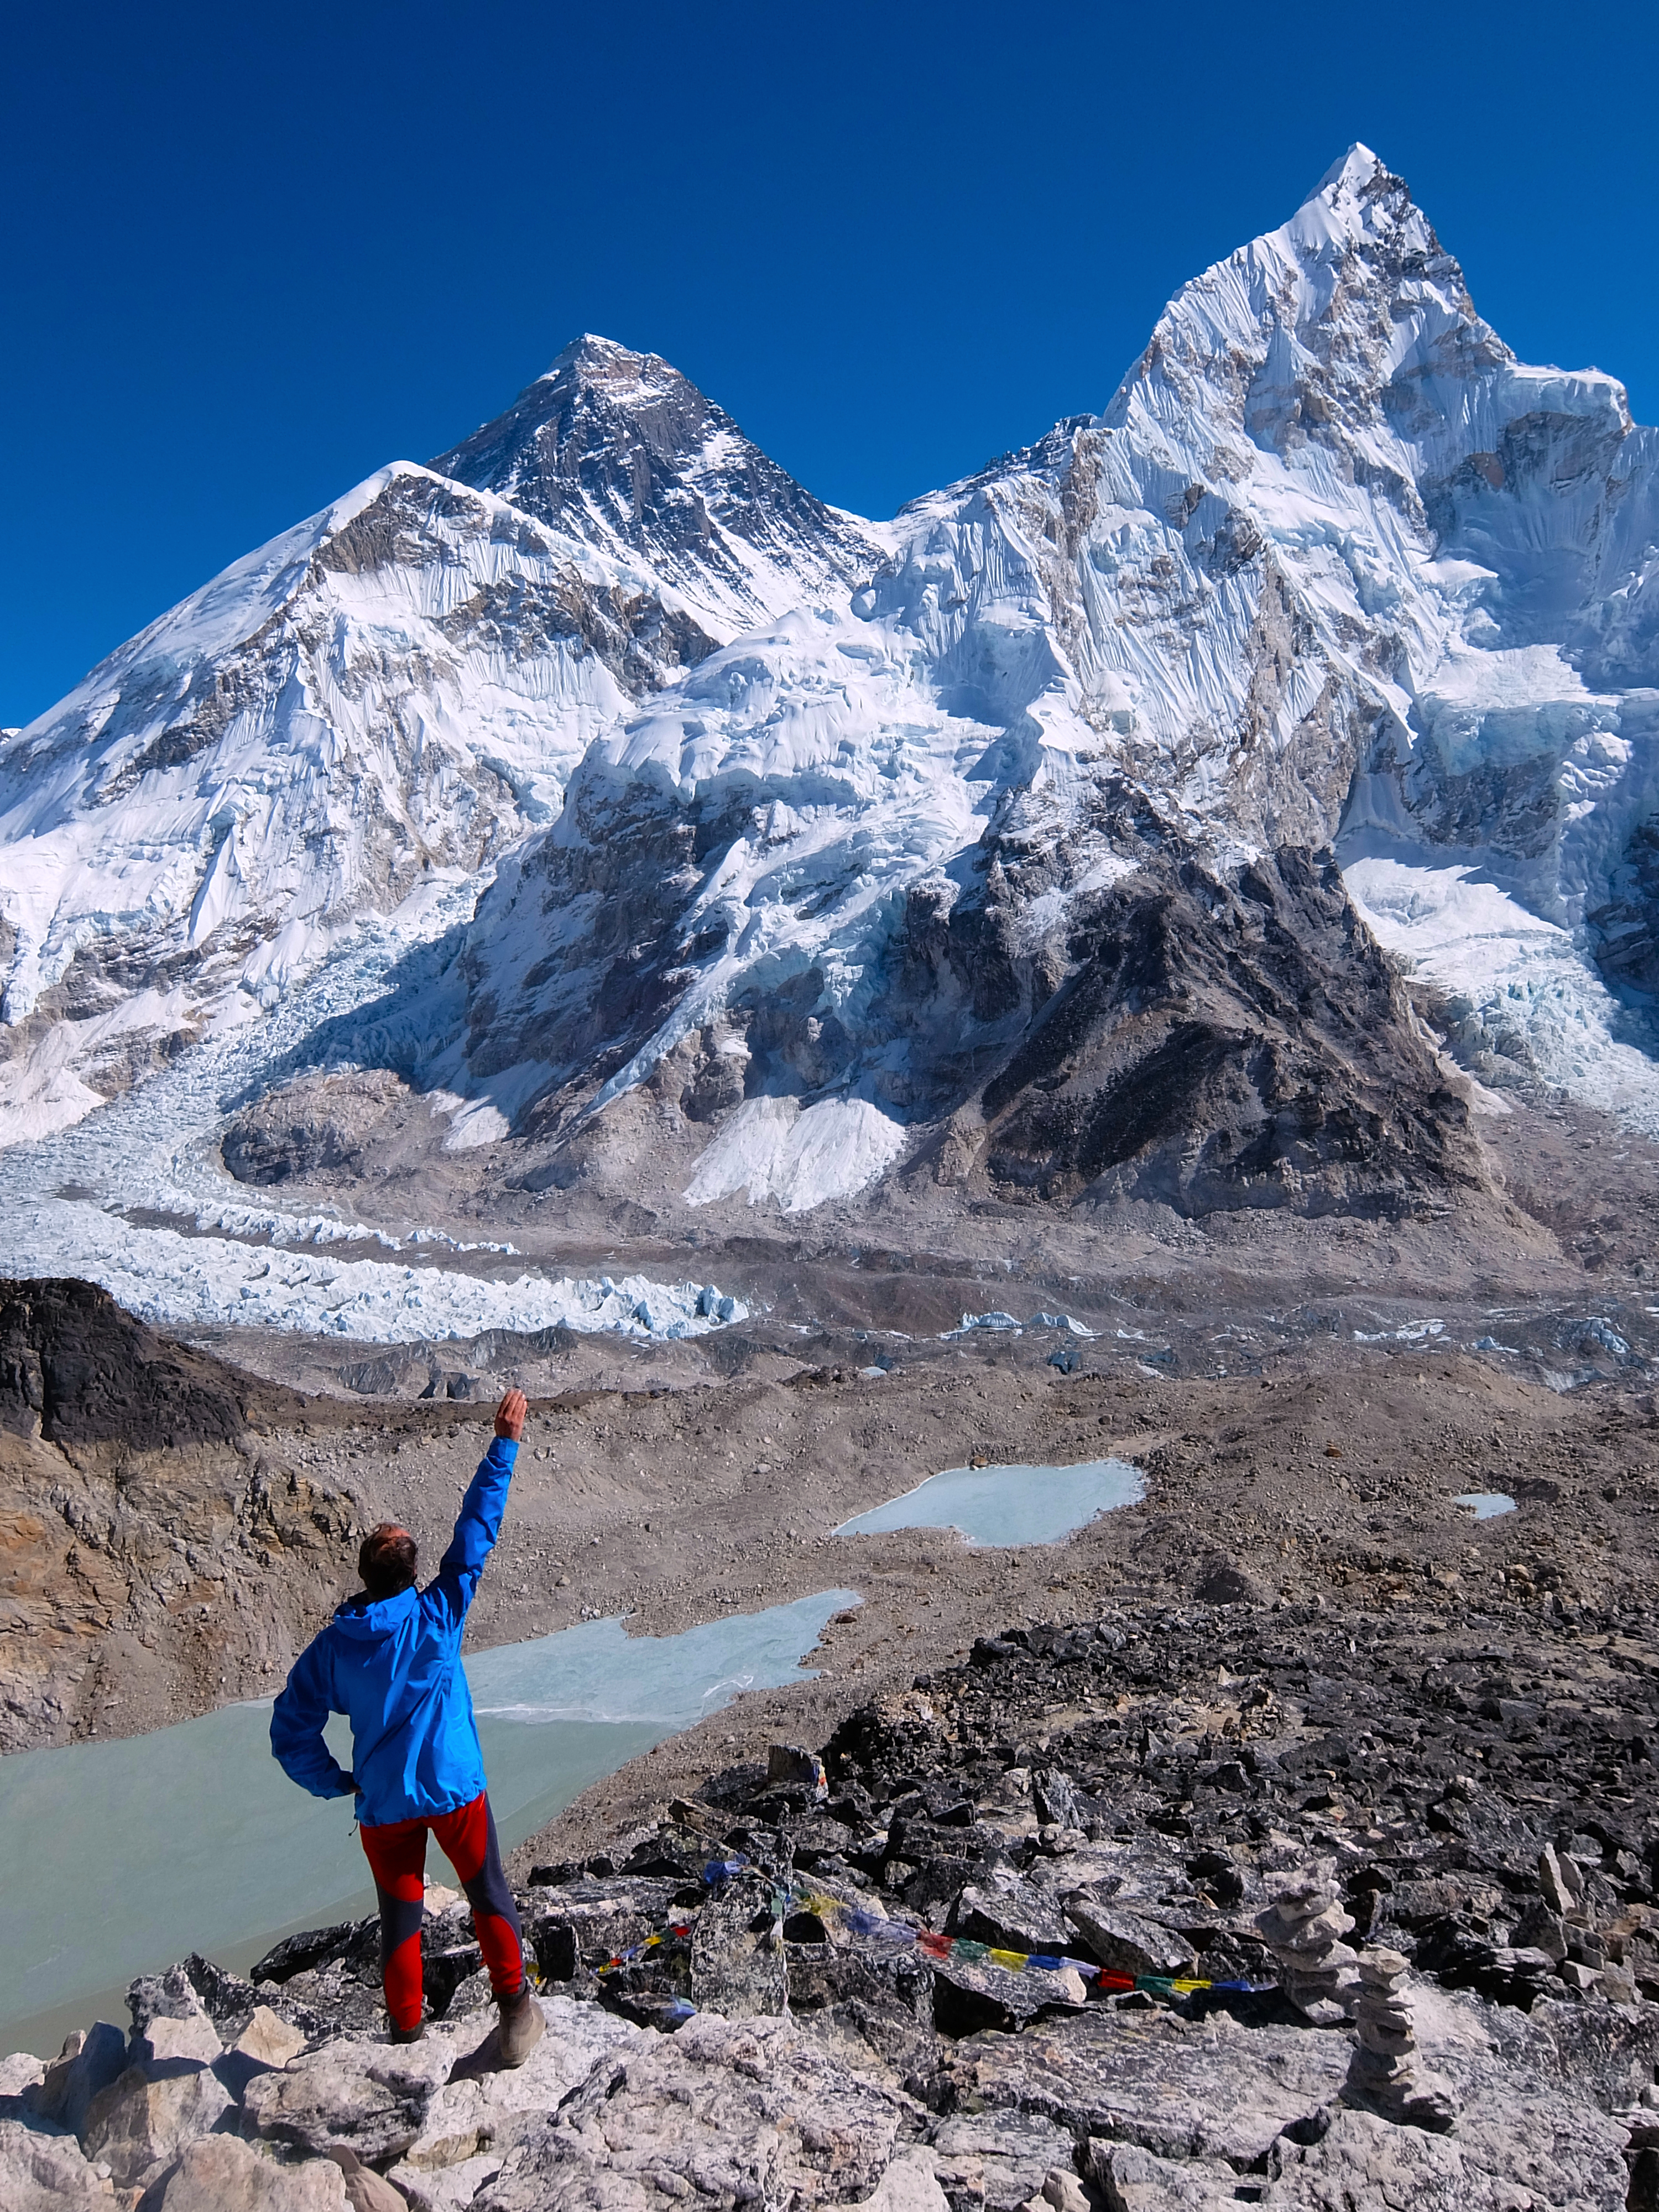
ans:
(391, 1661)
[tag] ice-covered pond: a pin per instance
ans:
(1486, 1505)
(1005, 1505)
(121, 1856)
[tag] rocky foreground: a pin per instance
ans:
(961, 1959)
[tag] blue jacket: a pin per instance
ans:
(394, 1668)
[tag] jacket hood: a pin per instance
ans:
(365, 1619)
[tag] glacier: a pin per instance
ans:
(803, 827)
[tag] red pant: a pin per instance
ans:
(397, 1853)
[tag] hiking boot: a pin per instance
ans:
(414, 2034)
(522, 2027)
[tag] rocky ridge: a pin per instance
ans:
(834, 2012)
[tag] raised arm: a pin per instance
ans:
(479, 1521)
(297, 1729)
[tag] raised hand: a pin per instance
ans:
(510, 1415)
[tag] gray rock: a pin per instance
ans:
(221, 2173)
(1502, 2162)
(366, 2191)
(21, 2071)
(478, 2108)
(1131, 2179)
(1561, 1880)
(1014, 1914)
(790, 1766)
(369, 2094)
(1609, 2053)
(170, 1995)
(971, 1996)
(450, 2188)
(733, 2112)
(874, 2012)
(1178, 2088)
(1129, 1943)
(994, 2161)
(43, 2170)
(738, 1967)
(141, 2122)
(194, 2037)
(909, 2185)
(87, 2065)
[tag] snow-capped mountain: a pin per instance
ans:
(620, 449)
(975, 843)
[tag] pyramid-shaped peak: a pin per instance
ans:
(601, 362)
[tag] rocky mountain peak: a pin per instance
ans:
(619, 448)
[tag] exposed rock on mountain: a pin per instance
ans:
(620, 449)
(373, 704)
(77, 1370)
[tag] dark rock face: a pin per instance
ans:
(265, 1147)
(618, 445)
(1206, 1041)
(75, 1369)
(1224, 1044)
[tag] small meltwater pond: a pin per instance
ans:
(1008, 1505)
(124, 1856)
(1486, 1505)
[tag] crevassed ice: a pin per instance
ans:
(66, 1200)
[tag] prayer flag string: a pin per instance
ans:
(876, 1930)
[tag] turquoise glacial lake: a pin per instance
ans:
(121, 1856)
(1008, 1505)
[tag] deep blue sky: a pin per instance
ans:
(251, 255)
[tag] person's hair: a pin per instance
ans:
(386, 1560)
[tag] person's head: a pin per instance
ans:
(386, 1560)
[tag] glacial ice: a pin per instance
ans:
(67, 1202)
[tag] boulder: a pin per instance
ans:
(221, 2173)
(449, 2188)
(972, 1995)
(478, 2108)
(1129, 1943)
(88, 2062)
(746, 2112)
(790, 1766)
(738, 1967)
(909, 2185)
(994, 2161)
(141, 2122)
(1508, 2159)
(193, 2037)
(1131, 2179)
(1210, 2089)
(366, 2191)
(369, 2095)
(269, 2038)
(42, 2170)
(21, 2071)
(1013, 1914)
